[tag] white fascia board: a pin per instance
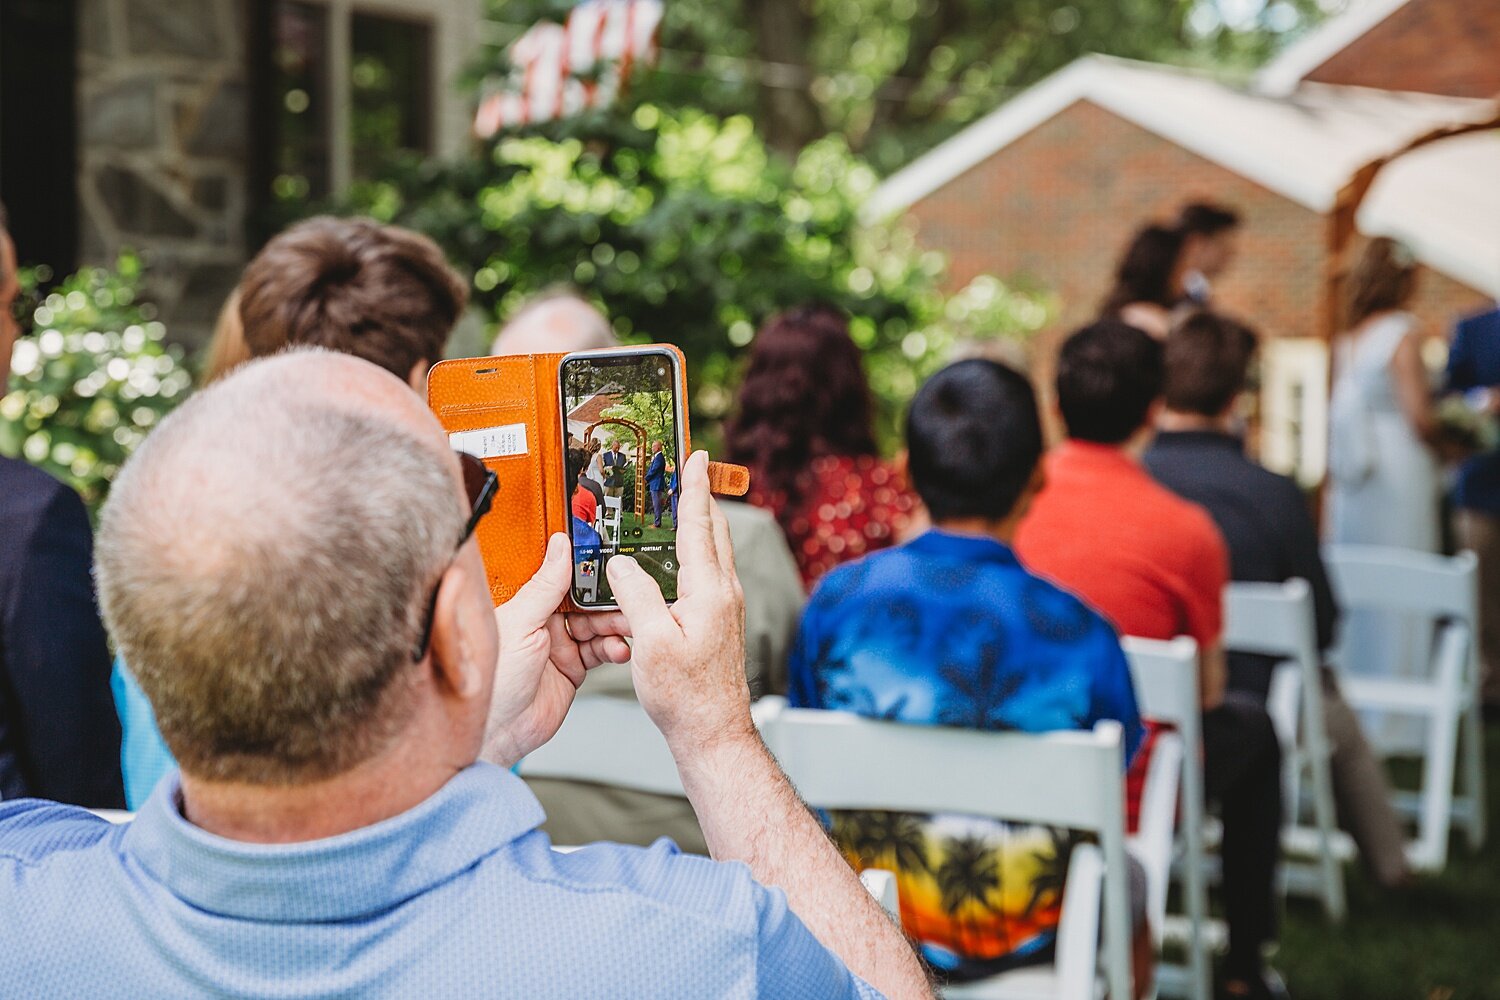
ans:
(1281, 75)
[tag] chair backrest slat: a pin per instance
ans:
(842, 761)
(1272, 619)
(609, 741)
(1412, 582)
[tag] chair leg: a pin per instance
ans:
(1472, 739)
(1335, 907)
(1196, 888)
(1431, 848)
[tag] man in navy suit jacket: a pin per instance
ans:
(656, 482)
(1474, 363)
(59, 735)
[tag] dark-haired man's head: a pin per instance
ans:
(355, 286)
(578, 461)
(10, 290)
(1109, 382)
(1207, 364)
(975, 440)
(1208, 237)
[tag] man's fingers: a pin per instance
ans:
(638, 596)
(592, 624)
(605, 649)
(541, 595)
(565, 654)
(723, 544)
(695, 538)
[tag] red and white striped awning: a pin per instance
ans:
(607, 36)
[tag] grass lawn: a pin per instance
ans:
(1438, 940)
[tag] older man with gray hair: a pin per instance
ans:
(557, 320)
(288, 563)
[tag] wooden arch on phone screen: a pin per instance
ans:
(640, 456)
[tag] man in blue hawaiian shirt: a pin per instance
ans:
(950, 629)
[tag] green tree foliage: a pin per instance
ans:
(92, 381)
(687, 230)
(896, 76)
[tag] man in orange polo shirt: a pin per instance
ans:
(1156, 566)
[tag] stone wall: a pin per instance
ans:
(163, 119)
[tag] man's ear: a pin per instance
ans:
(417, 379)
(456, 630)
(1153, 417)
(1028, 493)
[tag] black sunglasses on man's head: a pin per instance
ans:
(480, 486)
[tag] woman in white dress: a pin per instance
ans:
(1383, 472)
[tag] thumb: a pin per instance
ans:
(544, 592)
(639, 597)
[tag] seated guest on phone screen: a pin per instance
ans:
(579, 812)
(804, 427)
(587, 478)
(951, 629)
(355, 286)
(585, 507)
(1156, 566)
(331, 831)
(1264, 517)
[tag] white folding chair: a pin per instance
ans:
(1073, 779)
(608, 741)
(1442, 591)
(1166, 686)
(1278, 619)
(609, 520)
(612, 741)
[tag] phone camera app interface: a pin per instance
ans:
(622, 469)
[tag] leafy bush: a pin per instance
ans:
(687, 230)
(92, 381)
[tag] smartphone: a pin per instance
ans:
(623, 452)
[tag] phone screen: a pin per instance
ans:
(621, 417)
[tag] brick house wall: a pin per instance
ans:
(1056, 207)
(1430, 46)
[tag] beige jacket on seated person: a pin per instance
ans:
(581, 813)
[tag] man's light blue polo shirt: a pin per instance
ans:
(458, 897)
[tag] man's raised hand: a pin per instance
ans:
(689, 658)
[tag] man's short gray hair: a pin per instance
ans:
(556, 319)
(265, 562)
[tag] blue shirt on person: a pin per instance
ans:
(1474, 363)
(952, 630)
(460, 896)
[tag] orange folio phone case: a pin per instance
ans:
(507, 412)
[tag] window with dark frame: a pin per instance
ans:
(301, 106)
(390, 102)
(390, 69)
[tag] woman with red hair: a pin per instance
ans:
(803, 427)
